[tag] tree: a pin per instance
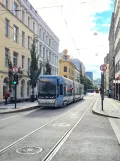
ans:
(81, 78)
(48, 68)
(35, 69)
(10, 73)
(88, 84)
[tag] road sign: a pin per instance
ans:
(14, 69)
(103, 67)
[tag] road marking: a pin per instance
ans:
(9, 117)
(17, 115)
(63, 139)
(32, 132)
(112, 104)
(115, 129)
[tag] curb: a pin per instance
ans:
(21, 110)
(101, 114)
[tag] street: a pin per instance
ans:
(69, 133)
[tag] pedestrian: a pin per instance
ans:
(6, 95)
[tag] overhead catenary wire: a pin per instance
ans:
(68, 28)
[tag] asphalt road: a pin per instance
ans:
(69, 133)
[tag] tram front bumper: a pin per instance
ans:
(46, 103)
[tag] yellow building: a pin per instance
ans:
(66, 68)
(17, 27)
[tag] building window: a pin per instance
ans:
(23, 39)
(6, 56)
(16, 33)
(15, 9)
(28, 64)
(40, 33)
(47, 54)
(6, 3)
(28, 21)
(50, 56)
(28, 42)
(15, 59)
(40, 51)
(43, 36)
(23, 16)
(7, 29)
(49, 42)
(23, 62)
(44, 53)
(65, 69)
(34, 26)
(65, 57)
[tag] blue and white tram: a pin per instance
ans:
(58, 91)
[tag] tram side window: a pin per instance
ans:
(61, 89)
(64, 90)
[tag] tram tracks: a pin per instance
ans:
(63, 138)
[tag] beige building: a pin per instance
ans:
(66, 67)
(16, 35)
(19, 22)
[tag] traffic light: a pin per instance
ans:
(15, 81)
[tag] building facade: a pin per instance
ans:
(111, 56)
(48, 46)
(79, 65)
(90, 75)
(20, 22)
(77, 75)
(66, 67)
(117, 48)
(106, 74)
(97, 82)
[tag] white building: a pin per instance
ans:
(48, 42)
(77, 75)
(48, 46)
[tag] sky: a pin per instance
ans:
(75, 22)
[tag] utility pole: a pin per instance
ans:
(102, 89)
(15, 82)
(103, 68)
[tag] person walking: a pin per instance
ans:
(6, 95)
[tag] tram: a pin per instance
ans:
(58, 91)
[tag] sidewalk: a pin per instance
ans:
(24, 106)
(111, 108)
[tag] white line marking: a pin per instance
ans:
(115, 129)
(112, 104)
(59, 144)
(17, 115)
(32, 132)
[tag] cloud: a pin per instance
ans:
(105, 25)
(82, 21)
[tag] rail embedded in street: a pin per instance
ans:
(41, 127)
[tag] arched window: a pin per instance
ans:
(22, 88)
(28, 88)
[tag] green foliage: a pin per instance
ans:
(35, 70)
(48, 68)
(10, 74)
(88, 84)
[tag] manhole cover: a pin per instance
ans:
(61, 124)
(29, 150)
